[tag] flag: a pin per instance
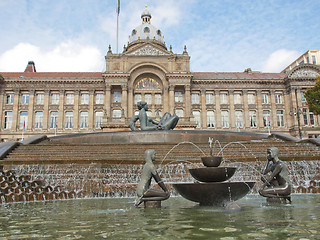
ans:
(118, 7)
(24, 125)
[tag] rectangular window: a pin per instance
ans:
(197, 119)
(116, 96)
(278, 98)
(38, 120)
(55, 98)
(8, 120)
(116, 113)
(280, 118)
(25, 98)
(148, 98)
(305, 116)
(99, 98)
(69, 120)
(253, 118)
(223, 98)
(179, 112)
(237, 98)
(10, 98)
(84, 98)
(40, 99)
(239, 119)
(195, 98)
(69, 98)
(264, 98)
(251, 98)
(266, 118)
(225, 119)
(157, 98)
(23, 123)
(210, 119)
(311, 118)
(98, 119)
(137, 98)
(54, 120)
(307, 59)
(209, 98)
(84, 119)
(303, 98)
(178, 97)
(314, 61)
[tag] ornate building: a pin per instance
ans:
(58, 103)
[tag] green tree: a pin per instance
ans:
(313, 97)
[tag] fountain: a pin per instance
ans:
(211, 188)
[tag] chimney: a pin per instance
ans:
(30, 67)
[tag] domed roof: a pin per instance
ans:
(146, 30)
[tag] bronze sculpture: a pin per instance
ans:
(144, 192)
(167, 122)
(275, 177)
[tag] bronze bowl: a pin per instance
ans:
(212, 174)
(211, 161)
(213, 194)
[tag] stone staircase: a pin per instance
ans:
(54, 153)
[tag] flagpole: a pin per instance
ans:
(117, 31)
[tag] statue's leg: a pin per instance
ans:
(276, 192)
(155, 195)
(171, 123)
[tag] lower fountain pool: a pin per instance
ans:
(117, 218)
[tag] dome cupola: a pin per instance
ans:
(146, 30)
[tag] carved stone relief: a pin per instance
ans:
(147, 50)
(304, 73)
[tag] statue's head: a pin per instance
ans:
(150, 155)
(272, 153)
(142, 104)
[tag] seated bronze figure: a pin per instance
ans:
(144, 192)
(275, 177)
(167, 122)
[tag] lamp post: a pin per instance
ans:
(297, 113)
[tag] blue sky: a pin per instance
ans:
(220, 35)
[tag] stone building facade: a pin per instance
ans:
(59, 103)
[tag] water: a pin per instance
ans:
(178, 218)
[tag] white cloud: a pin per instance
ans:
(68, 56)
(279, 60)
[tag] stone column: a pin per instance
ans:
(76, 110)
(260, 110)
(124, 100)
(287, 117)
(171, 98)
(187, 89)
(246, 120)
(273, 110)
(203, 109)
(61, 108)
(107, 104)
(91, 110)
(165, 102)
(232, 113)
(15, 111)
(218, 110)
(46, 116)
(293, 107)
(130, 102)
(30, 110)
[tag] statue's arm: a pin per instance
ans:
(132, 122)
(158, 179)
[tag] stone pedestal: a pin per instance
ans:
(276, 200)
(152, 204)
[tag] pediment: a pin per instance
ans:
(148, 50)
(305, 72)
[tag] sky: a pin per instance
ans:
(220, 35)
